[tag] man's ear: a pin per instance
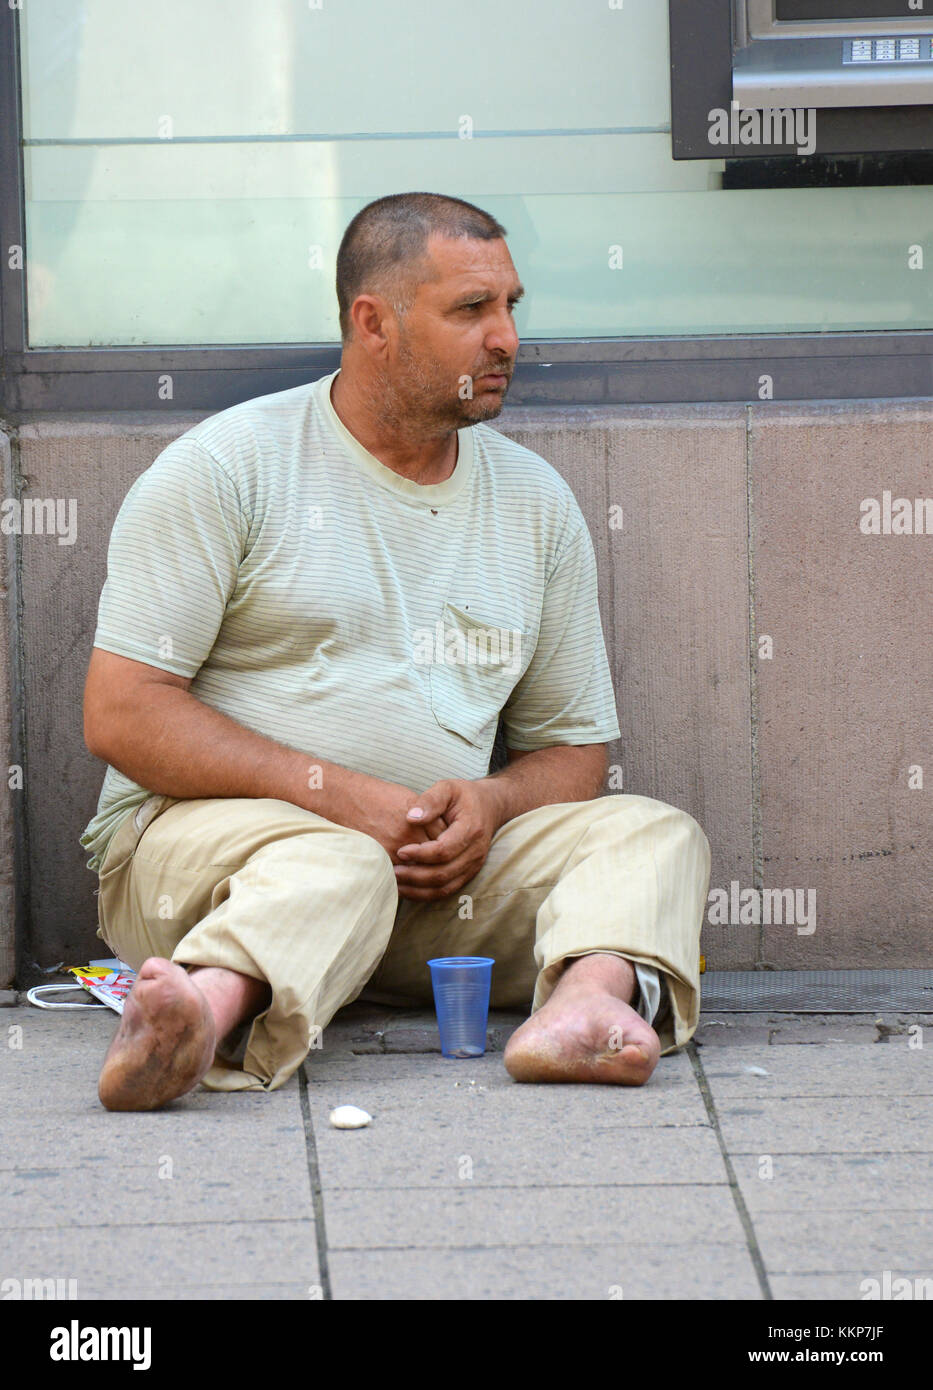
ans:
(369, 313)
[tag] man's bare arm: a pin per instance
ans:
(144, 722)
(547, 776)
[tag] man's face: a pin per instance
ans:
(453, 357)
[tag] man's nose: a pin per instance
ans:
(502, 335)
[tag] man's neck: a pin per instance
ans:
(423, 461)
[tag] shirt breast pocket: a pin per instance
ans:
(477, 662)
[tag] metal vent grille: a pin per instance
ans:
(817, 991)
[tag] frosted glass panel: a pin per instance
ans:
(99, 68)
(191, 167)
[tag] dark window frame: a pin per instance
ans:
(551, 372)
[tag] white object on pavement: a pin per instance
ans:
(349, 1117)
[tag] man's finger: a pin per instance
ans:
(446, 847)
(428, 892)
(431, 803)
(433, 830)
(436, 875)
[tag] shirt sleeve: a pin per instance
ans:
(566, 695)
(173, 560)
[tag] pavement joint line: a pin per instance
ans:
(611, 1127)
(834, 1273)
(837, 1153)
(155, 1225)
(529, 1187)
(743, 1213)
(672, 1124)
(860, 1210)
(627, 1129)
(544, 1245)
(836, 1095)
(317, 1191)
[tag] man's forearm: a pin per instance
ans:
(172, 743)
(546, 777)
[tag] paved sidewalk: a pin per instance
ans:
(779, 1157)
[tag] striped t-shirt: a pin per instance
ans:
(326, 602)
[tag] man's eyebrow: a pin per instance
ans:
(481, 296)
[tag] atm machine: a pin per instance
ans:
(863, 68)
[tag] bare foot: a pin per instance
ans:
(165, 1042)
(586, 1031)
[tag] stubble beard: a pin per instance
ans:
(422, 404)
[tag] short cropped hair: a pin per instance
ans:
(384, 249)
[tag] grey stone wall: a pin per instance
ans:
(738, 524)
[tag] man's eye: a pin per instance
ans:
(480, 302)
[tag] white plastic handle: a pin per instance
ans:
(32, 997)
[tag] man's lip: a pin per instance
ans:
(494, 376)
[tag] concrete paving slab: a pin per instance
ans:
(442, 1090)
(557, 1272)
(821, 1287)
(592, 1173)
(884, 1021)
(425, 1037)
(59, 1055)
(802, 1034)
(408, 1149)
(883, 1071)
(411, 1031)
(218, 1184)
(225, 1293)
(719, 1034)
(364, 1017)
(200, 1112)
(33, 1152)
(689, 1215)
(45, 1047)
(61, 1098)
(59, 1137)
(62, 1030)
(867, 1243)
(836, 1182)
(322, 1063)
(826, 1125)
(187, 1253)
(427, 1117)
(492, 1116)
(52, 1121)
(670, 1072)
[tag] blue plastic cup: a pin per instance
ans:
(461, 998)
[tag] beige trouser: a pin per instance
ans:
(275, 892)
